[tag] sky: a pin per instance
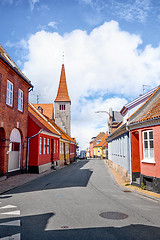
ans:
(111, 49)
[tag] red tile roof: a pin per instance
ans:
(63, 134)
(62, 94)
(103, 141)
(98, 137)
(41, 120)
(149, 110)
(47, 108)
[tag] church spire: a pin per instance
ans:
(62, 94)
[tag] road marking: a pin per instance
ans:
(11, 223)
(12, 237)
(8, 206)
(12, 213)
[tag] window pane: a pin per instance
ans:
(145, 153)
(150, 135)
(151, 144)
(152, 153)
(145, 135)
(146, 144)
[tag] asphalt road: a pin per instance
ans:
(78, 202)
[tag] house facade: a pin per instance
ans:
(119, 142)
(14, 89)
(144, 126)
(100, 147)
(43, 142)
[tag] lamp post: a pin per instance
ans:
(110, 130)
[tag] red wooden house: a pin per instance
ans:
(43, 142)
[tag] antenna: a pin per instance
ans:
(144, 87)
(37, 98)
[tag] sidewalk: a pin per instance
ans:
(18, 180)
(120, 181)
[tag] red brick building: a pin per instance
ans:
(14, 88)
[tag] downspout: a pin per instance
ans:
(130, 154)
(27, 160)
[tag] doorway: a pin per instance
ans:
(14, 150)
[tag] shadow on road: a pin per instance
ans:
(72, 176)
(33, 227)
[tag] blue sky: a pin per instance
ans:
(111, 49)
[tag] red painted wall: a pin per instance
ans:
(149, 169)
(72, 150)
(35, 158)
(91, 149)
(46, 158)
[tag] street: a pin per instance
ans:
(80, 201)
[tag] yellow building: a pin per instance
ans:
(100, 146)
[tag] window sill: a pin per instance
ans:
(148, 160)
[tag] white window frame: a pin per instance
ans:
(48, 145)
(44, 146)
(9, 96)
(149, 159)
(20, 100)
(40, 145)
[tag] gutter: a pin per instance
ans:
(16, 71)
(27, 160)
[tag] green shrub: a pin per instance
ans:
(143, 186)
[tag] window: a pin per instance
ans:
(54, 146)
(40, 146)
(9, 98)
(20, 100)
(62, 107)
(57, 146)
(148, 147)
(48, 146)
(44, 146)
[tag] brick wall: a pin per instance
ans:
(11, 117)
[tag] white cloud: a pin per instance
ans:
(137, 10)
(105, 62)
(32, 4)
(52, 24)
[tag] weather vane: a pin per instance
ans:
(63, 58)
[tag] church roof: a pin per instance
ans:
(62, 94)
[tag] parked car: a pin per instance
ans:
(82, 154)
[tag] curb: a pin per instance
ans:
(132, 190)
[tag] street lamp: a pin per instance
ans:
(110, 130)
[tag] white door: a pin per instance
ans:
(14, 151)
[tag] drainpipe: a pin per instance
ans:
(130, 153)
(28, 147)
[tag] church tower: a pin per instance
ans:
(62, 109)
